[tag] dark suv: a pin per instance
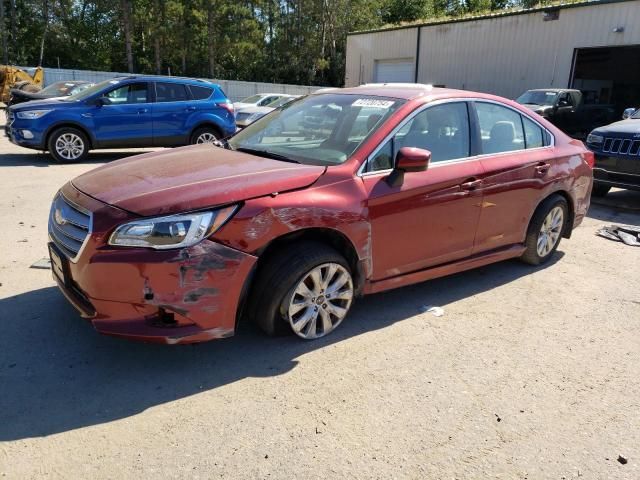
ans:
(617, 149)
(124, 112)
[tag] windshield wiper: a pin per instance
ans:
(266, 154)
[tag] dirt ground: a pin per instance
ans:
(532, 373)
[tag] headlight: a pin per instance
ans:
(32, 114)
(594, 138)
(174, 231)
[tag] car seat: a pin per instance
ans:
(501, 138)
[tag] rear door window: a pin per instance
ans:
(200, 93)
(500, 128)
(171, 92)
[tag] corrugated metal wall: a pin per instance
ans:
(364, 50)
(505, 55)
(235, 90)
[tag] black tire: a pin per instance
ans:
(600, 189)
(204, 131)
(276, 279)
(531, 254)
(61, 132)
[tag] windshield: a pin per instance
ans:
(253, 99)
(316, 130)
(280, 102)
(59, 88)
(91, 90)
(537, 97)
(79, 88)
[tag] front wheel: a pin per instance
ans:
(545, 230)
(68, 145)
(307, 289)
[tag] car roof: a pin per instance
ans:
(405, 91)
(553, 90)
(156, 78)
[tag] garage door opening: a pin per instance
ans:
(397, 70)
(608, 75)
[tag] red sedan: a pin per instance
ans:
(336, 195)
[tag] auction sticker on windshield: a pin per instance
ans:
(372, 102)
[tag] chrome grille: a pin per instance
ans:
(69, 226)
(621, 146)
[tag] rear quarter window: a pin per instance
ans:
(199, 92)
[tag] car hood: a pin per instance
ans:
(629, 126)
(537, 108)
(254, 109)
(191, 178)
(241, 106)
(49, 103)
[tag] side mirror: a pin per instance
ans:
(103, 101)
(408, 159)
(628, 112)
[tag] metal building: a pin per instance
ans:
(593, 46)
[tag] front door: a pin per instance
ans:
(124, 120)
(430, 219)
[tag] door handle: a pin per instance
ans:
(542, 169)
(143, 110)
(471, 184)
(190, 109)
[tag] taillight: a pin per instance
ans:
(590, 158)
(228, 106)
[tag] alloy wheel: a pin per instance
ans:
(206, 137)
(69, 146)
(320, 301)
(550, 231)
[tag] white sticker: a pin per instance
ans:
(372, 102)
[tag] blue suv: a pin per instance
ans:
(121, 113)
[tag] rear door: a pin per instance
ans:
(518, 159)
(125, 119)
(432, 217)
(171, 113)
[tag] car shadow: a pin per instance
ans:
(619, 206)
(41, 159)
(627, 200)
(58, 374)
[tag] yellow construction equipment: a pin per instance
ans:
(14, 77)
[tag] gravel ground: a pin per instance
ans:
(532, 373)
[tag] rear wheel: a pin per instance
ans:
(307, 289)
(545, 230)
(68, 145)
(205, 135)
(600, 190)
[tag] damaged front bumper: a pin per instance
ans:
(163, 296)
